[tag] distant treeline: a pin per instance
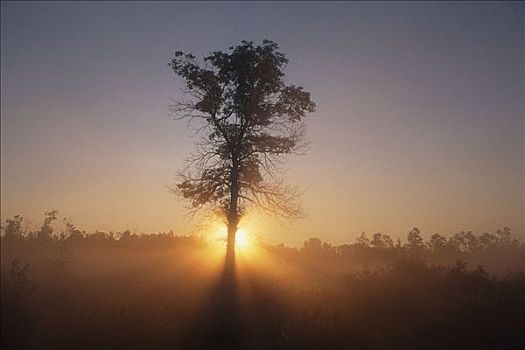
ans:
(72, 290)
(499, 253)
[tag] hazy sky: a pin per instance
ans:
(420, 118)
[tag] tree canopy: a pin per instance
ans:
(247, 119)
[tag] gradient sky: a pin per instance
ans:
(420, 118)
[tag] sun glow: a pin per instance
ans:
(242, 240)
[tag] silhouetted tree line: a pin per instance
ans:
(64, 289)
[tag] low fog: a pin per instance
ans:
(71, 289)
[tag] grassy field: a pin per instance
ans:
(73, 290)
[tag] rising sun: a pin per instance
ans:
(242, 241)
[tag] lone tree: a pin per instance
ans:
(248, 119)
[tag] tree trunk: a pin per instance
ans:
(230, 246)
(233, 215)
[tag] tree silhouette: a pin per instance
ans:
(381, 241)
(415, 241)
(248, 119)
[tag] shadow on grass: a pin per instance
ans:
(219, 326)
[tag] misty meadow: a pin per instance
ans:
(71, 289)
